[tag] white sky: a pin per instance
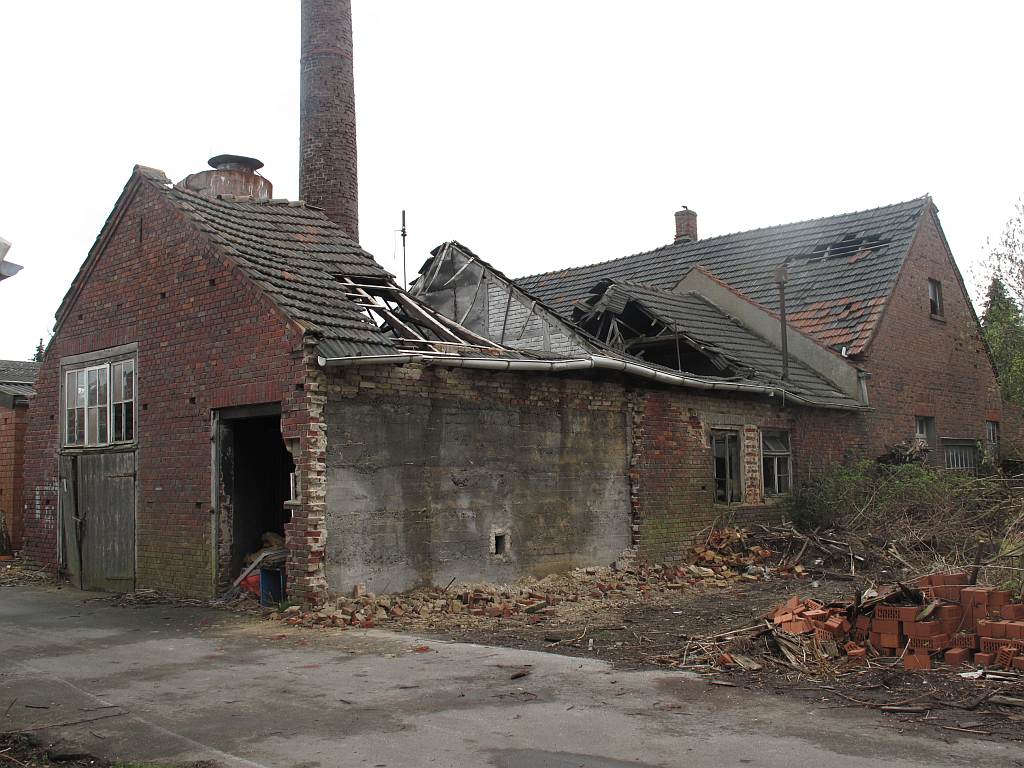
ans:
(541, 134)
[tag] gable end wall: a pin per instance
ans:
(925, 367)
(214, 337)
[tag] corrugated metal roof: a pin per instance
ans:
(841, 269)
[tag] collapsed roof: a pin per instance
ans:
(725, 341)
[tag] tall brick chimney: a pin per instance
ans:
(686, 225)
(327, 113)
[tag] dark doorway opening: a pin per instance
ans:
(255, 472)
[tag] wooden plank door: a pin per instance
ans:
(71, 528)
(106, 507)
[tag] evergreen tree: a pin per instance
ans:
(37, 357)
(1003, 327)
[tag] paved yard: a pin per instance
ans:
(173, 684)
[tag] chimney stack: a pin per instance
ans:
(327, 113)
(686, 225)
(231, 175)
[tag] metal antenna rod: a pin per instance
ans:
(405, 281)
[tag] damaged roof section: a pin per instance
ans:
(841, 270)
(631, 328)
(686, 331)
(459, 284)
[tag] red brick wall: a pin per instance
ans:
(12, 446)
(207, 338)
(672, 468)
(925, 367)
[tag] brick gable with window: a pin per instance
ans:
(930, 370)
(206, 338)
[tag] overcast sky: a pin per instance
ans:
(540, 134)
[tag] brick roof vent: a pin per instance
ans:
(234, 175)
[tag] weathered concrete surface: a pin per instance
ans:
(171, 684)
(418, 489)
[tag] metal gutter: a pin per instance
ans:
(580, 364)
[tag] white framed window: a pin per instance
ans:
(776, 462)
(99, 404)
(935, 298)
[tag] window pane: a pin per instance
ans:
(116, 383)
(129, 421)
(768, 472)
(783, 482)
(118, 422)
(101, 375)
(94, 389)
(129, 380)
(101, 425)
(79, 426)
(80, 393)
(70, 398)
(70, 389)
(91, 436)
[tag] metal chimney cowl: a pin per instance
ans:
(231, 175)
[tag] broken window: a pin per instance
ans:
(99, 404)
(776, 462)
(961, 457)
(935, 298)
(925, 430)
(725, 446)
(992, 438)
(122, 400)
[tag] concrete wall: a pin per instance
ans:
(420, 480)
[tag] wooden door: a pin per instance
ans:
(98, 512)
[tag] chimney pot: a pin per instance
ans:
(686, 225)
(231, 175)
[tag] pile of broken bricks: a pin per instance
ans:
(945, 618)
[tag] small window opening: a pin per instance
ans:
(776, 462)
(500, 543)
(925, 430)
(935, 298)
(725, 447)
(992, 439)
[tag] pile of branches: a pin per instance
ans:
(925, 514)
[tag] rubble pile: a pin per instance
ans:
(16, 572)
(728, 555)
(943, 617)
(725, 558)
(369, 610)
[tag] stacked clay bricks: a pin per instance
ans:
(958, 623)
(967, 624)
